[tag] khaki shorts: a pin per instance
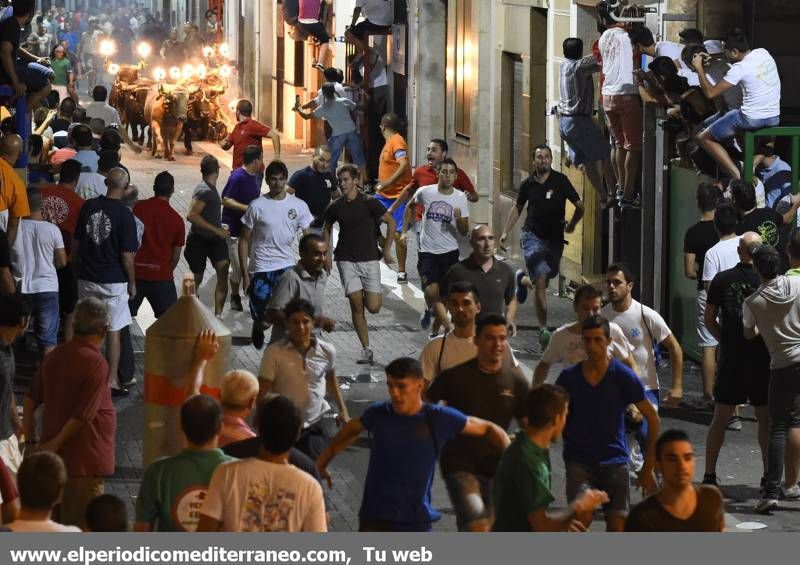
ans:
(10, 453)
(233, 258)
(78, 493)
(361, 275)
(115, 295)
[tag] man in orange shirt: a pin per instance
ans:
(13, 197)
(394, 173)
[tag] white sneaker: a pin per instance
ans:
(791, 493)
(366, 357)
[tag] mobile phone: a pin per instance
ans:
(297, 100)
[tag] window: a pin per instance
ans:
(466, 74)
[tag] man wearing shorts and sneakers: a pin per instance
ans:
(621, 102)
(595, 445)
(357, 255)
(486, 388)
(103, 249)
(445, 216)
(587, 146)
(207, 238)
(743, 369)
(545, 192)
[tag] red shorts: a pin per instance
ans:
(624, 117)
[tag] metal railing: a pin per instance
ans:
(750, 145)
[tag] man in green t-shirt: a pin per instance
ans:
(173, 488)
(62, 71)
(521, 488)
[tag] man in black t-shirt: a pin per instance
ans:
(484, 388)
(743, 370)
(678, 506)
(698, 239)
(315, 185)
(7, 285)
(14, 61)
(357, 255)
(545, 192)
(103, 247)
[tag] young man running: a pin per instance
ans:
(357, 255)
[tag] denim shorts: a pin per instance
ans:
(726, 126)
(613, 479)
(586, 144)
(352, 141)
(471, 496)
(704, 337)
(542, 257)
(44, 309)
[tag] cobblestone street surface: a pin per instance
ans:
(395, 332)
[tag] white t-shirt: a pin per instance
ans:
(379, 12)
(617, 52)
(37, 241)
(457, 350)
(638, 323)
(716, 72)
(40, 526)
(274, 225)
(302, 379)
(761, 84)
(103, 111)
(340, 92)
(566, 347)
(91, 185)
(252, 495)
(721, 257)
(439, 233)
(673, 51)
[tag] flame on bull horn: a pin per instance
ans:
(208, 51)
(159, 73)
(225, 71)
(113, 68)
(144, 49)
(224, 50)
(107, 48)
(188, 71)
(200, 71)
(175, 73)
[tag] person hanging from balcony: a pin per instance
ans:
(378, 17)
(587, 147)
(621, 102)
(755, 70)
(20, 69)
(312, 19)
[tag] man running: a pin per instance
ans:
(357, 255)
(269, 228)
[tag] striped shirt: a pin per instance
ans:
(234, 429)
(577, 87)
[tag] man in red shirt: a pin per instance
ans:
(249, 132)
(164, 236)
(61, 206)
(78, 419)
(425, 175)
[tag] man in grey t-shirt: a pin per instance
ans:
(207, 236)
(773, 311)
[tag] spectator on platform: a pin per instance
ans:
(15, 63)
(238, 396)
(42, 481)
(42, 253)
(308, 20)
(106, 513)
(160, 251)
(378, 18)
(642, 39)
(303, 368)
(239, 491)
(13, 198)
(368, 71)
(756, 71)
(587, 146)
(14, 319)
(103, 249)
(243, 186)
(621, 102)
(336, 112)
(172, 487)
(316, 185)
(99, 108)
(78, 419)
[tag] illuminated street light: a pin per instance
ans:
(144, 50)
(175, 73)
(107, 48)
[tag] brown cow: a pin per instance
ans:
(164, 110)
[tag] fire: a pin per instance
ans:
(175, 73)
(144, 50)
(187, 71)
(159, 73)
(107, 48)
(225, 71)
(200, 71)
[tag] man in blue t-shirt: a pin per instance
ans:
(406, 436)
(240, 190)
(595, 445)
